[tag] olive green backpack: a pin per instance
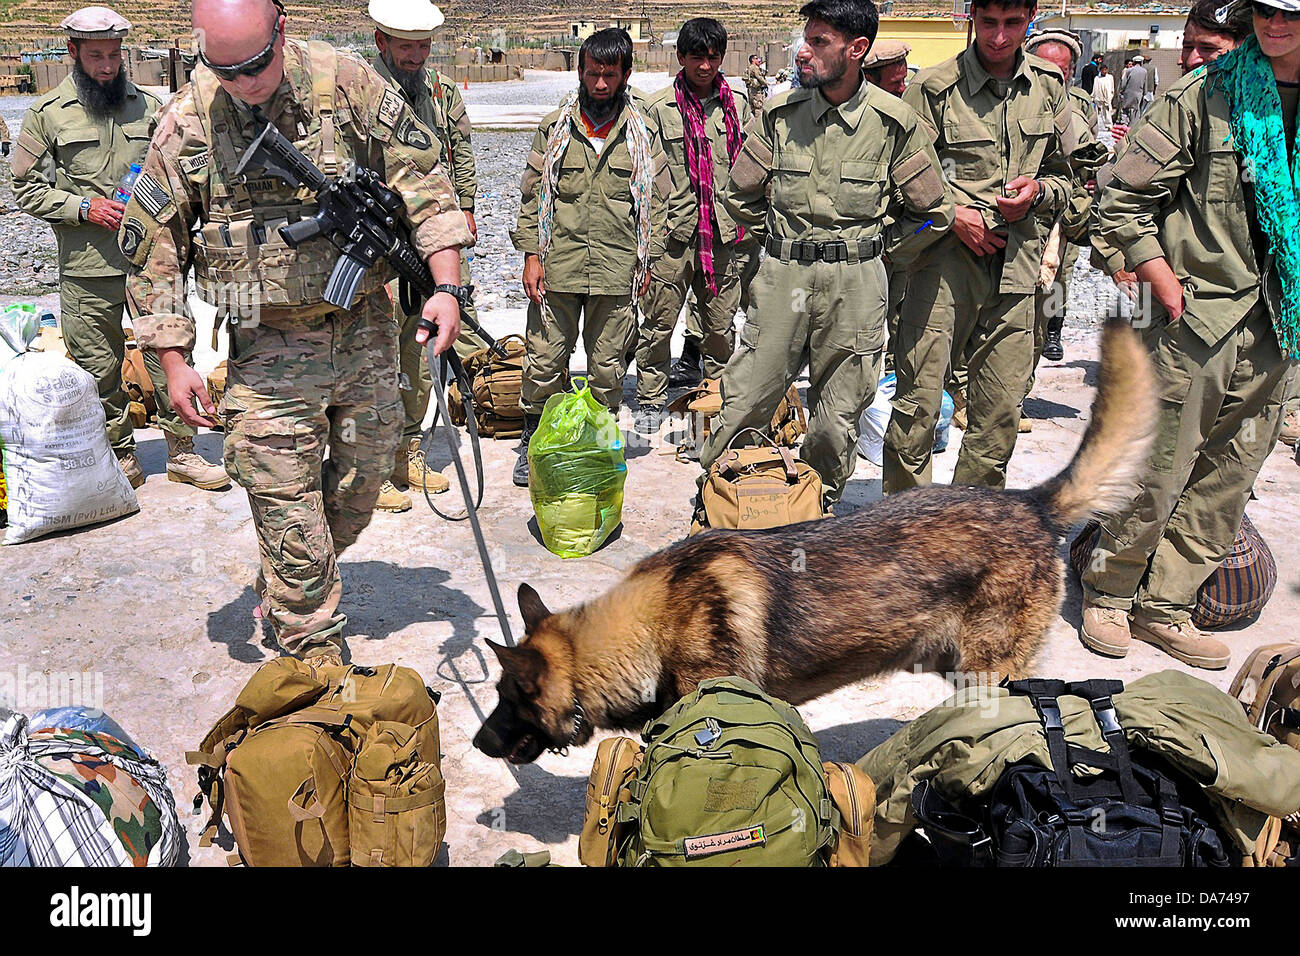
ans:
(729, 777)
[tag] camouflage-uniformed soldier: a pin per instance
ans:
(701, 254)
(1181, 214)
(842, 174)
(403, 31)
(303, 374)
(756, 83)
(886, 67)
(593, 216)
(1002, 129)
(1060, 251)
(4, 137)
(77, 143)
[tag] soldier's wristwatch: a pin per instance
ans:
(461, 292)
(84, 211)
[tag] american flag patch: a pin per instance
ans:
(151, 197)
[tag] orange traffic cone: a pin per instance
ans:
(466, 81)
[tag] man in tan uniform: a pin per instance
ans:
(593, 217)
(756, 83)
(403, 35)
(304, 374)
(886, 67)
(1215, 336)
(700, 122)
(1002, 128)
(77, 143)
(1060, 251)
(4, 137)
(841, 174)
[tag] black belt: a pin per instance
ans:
(834, 250)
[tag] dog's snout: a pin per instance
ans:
(489, 742)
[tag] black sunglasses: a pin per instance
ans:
(254, 64)
(1266, 11)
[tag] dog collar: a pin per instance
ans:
(579, 715)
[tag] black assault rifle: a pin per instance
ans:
(358, 213)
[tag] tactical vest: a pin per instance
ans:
(240, 260)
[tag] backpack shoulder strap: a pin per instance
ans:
(324, 86)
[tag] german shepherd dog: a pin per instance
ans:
(944, 579)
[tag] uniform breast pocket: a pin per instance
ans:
(573, 176)
(1036, 132)
(1225, 175)
(77, 150)
(969, 153)
(861, 187)
(791, 181)
(619, 181)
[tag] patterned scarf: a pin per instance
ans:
(638, 147)
(1259, 135)
(699, 159)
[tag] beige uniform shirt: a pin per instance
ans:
(64, 155)
(1177, 192)
(593, 241)
(441, 108)
(813, 171)
(663, 114)
(985, 140)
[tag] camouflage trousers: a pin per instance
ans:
(291, 395)
(90, 315)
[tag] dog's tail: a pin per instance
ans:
(1104, 474)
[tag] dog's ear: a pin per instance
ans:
(531, 607)
(524, 664)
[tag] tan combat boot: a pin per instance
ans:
(131, 468)
(1184, 641)
(419, 475)
(390, 499)
(186, 465)
(1290, 433)
(1105, 630)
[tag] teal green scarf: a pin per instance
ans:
(1247, 81)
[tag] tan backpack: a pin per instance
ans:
(1268, 686)
(854, 796)
(701, 405)
(496, 383)
(760, 487)
(327, 765)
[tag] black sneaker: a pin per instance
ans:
(1052, 350)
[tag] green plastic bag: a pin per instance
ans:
(576, 472)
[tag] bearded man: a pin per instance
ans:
(77, 143)
(592, 218)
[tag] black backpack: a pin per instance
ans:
(1130, 812)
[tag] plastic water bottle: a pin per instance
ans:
(123, 192)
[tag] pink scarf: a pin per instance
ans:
(699, 159)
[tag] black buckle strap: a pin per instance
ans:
(806, 251)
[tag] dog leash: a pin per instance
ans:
(457, 369)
